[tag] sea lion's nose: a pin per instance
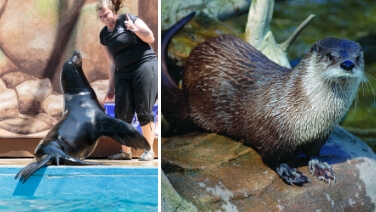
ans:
(76, 53)
(347, 65)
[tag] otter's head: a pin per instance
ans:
(338, 61)
(331, 73)
(73, 79)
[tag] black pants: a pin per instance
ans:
(137, 92)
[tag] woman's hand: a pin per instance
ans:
(129, 24)
(140, 29)
(109, 95)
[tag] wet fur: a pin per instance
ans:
(76, 135)
(231, 88)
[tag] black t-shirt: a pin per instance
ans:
(129, 51)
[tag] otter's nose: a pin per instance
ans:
(347, 65)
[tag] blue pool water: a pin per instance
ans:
(44, 204)
(80, 188)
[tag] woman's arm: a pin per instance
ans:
(140, 28)
(111, 75)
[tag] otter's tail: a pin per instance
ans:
(173, 99)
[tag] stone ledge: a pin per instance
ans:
(216, 173)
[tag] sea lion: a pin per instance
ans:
(83, 122)
(231, 88)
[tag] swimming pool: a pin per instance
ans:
(76, 188)
(45, 204)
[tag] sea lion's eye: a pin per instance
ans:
(330, 56)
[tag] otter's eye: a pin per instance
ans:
(330, 56)
(357, 59)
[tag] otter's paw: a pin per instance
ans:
(291, 175)
(322, 171)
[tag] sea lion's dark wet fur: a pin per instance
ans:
(233, 89)
(76, 135)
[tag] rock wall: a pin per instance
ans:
(214, 173)
(36, 37)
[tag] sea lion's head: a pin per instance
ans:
(73, 79)
(76, 59)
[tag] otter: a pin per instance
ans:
(231, 88)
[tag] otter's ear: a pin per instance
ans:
(315, 47)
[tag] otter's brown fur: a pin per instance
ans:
(231, 88)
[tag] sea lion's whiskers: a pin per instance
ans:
(85, 55)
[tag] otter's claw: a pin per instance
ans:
(322, 171)
(291, 175)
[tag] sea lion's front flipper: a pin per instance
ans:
(28, 170)
(123, 133)
(53, 156)
(59, 155)
(68, 160)
(291, 175)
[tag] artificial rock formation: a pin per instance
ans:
(32, 52)
(215, 173)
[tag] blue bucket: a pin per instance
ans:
(109, 109)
